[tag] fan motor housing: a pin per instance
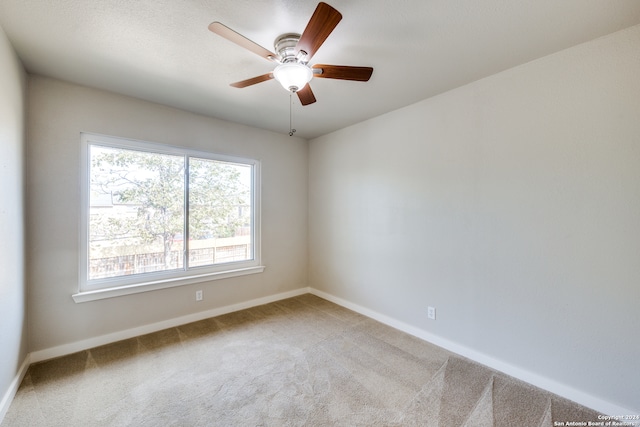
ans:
(285, 47)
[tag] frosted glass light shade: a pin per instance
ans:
(293, 76)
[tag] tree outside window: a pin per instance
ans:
(154, 211)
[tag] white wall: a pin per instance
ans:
(58, 112)
(512, 205)
(13, 331)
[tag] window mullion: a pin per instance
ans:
(185, 253)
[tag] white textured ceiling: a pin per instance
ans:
(162, 51)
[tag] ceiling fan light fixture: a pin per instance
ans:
(293, 76)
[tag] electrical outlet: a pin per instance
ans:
(199, 296)
(431, 313)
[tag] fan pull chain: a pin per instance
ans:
(291, 129)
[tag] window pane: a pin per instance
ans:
(220, 219)
(136, 209)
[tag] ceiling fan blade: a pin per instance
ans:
(343, 72)
(253, 80)
(237, 38)
(322, 22)
(306, 95)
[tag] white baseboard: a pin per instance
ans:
(65, 349)
(13, 388)
(532, 378)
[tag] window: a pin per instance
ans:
(157, 216)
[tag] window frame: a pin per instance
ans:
(89, 290)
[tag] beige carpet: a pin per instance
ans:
(300, 361)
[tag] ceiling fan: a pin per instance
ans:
(293, 53)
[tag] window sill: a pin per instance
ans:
(85, 296)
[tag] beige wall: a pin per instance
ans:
(13, 330)
(512, 205)
(58, 113)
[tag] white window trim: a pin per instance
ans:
(126, 285)
(119, 291)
